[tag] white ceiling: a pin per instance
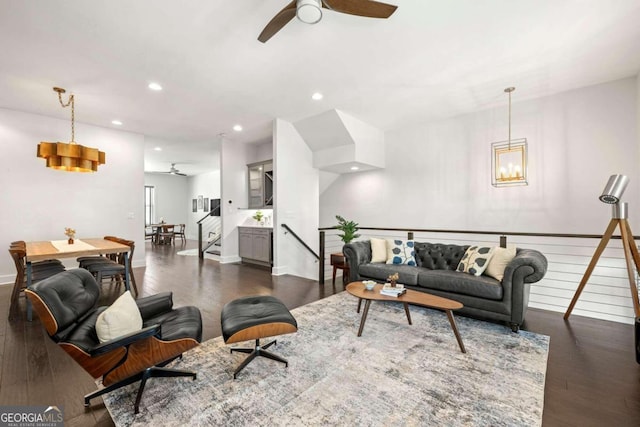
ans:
(432, 59)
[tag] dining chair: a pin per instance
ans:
(180, 233)
(40, 270)
(166, 235)
(111, 267)
(149, 233)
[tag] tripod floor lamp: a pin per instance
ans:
(611, 194)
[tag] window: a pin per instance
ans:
(149, 205)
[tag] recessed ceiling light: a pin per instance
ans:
(116, 122)
(158, 148)
(317, 96)
(354, 168)
(237, 128)
(155, 86)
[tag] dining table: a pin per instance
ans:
(157, 229)
(58, 249)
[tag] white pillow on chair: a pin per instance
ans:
(121, 318)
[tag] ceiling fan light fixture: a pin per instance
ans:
(309, 11)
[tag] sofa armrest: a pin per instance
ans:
(357, 253)
(528, 266)
(155, 305)
(535, 262)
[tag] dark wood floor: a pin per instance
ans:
(592, 377)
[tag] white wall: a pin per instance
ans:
(438, 177)
(369, 141)
(297, 202)
(259, 152)
(172, 197)
(233, 180)
(438, 174)
(37, 203)
(207, 185)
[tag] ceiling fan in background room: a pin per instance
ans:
(172, 171)
(310, 12)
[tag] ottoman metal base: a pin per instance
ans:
(255, 352)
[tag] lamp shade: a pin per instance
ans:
(614, 189)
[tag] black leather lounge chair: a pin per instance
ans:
(66, 305)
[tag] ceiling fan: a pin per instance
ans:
(172, 171)
(310, 12)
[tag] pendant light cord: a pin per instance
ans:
(509, 120)
(71, 102)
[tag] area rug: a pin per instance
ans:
(194, 252)
(395, 374)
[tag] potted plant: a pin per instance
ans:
(258, 217)
(349, 229)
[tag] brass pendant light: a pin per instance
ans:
(70, 156)
(509, 158)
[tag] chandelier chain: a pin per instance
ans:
(510, 119)
(71, 102)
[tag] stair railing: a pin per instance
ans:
(302, 242)
(212, 224)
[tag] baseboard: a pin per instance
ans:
(229, 259)
(278, 271)
(138, 263)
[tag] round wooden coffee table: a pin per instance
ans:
(423, 299)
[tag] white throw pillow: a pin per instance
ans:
(499, 260)
(378, 250)
(475, 260)
(121, 318)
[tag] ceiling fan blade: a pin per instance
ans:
(368, 8)
(280, 20)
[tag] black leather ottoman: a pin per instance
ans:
(252, 318)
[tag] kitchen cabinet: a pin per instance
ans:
(255, 245)
(260, 184)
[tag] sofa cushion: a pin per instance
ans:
(401, 252)
(460, 283)
(408, 274)
(438, 256)
(475, 260)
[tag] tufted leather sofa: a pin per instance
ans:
(483, 296)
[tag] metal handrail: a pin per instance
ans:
(204, 217)
(201, 247)
(410, 232)
(293, 233)
(497, 233)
